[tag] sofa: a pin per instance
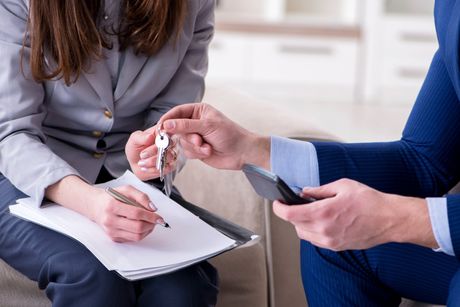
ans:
(262, 274)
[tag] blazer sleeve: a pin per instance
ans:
(188, 83)
(24, 158)
(424, 163)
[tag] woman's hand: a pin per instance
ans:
(142, 154)
(350, 215)
(208, 135)
(122, 222)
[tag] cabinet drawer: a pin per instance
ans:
(404, 72)
(414, 39)
(301, 61)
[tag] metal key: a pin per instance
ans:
(162, 142)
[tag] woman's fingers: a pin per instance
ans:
(138, 196)
(148, 166)
(144, 214)
(133, 213)
(122, 236)
(132, 226)
(149, 152)
(140, 139)
(127, 222)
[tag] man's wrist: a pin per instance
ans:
(414, 224)
(257, 151)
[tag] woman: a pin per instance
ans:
(77, 79)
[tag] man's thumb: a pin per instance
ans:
(183, 126)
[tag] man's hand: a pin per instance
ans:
(351, 215)
(208, 135)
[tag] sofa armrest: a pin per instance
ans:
(17, 290)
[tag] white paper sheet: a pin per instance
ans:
(189, 240)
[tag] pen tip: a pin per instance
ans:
(167, 225)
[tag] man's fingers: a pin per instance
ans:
(332, 189)
(295, 213)
(325, 191)
(193, 151)
(194, 139)
(185, 126)
(190, 110)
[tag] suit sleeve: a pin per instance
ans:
(188, 83)
(24, 158)
(424, 163)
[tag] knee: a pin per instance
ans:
(193, 286)
(73, 275)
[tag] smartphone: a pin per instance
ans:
(271, 186)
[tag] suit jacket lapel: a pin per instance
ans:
(99, 78)
(132, 65)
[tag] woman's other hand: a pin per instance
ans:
(142, 154)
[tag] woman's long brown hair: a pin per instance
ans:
(68, 32)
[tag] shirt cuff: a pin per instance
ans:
(296, 162)
(437, 208)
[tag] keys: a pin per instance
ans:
(162, 142)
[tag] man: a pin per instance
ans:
(370, 239)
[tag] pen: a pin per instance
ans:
(120, 197)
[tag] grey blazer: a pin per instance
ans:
(50, 130)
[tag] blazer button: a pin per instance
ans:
(108, 114)
(97, 134)
(98, 155)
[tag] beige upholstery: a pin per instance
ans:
(251, 276)
(16, 290)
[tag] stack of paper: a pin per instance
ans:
(188, 241)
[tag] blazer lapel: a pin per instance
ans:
(99, 78)
(132, 66)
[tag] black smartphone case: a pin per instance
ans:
(271, 186)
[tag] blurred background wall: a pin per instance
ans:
(353, 66)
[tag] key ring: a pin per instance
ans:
(160, 131)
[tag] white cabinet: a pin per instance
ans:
(341, 11)
(407, 53)
(305, 61)
(230, 58)
(379, 51)
(406, 45)
(271, 62)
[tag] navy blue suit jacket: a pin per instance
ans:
(426, 161)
